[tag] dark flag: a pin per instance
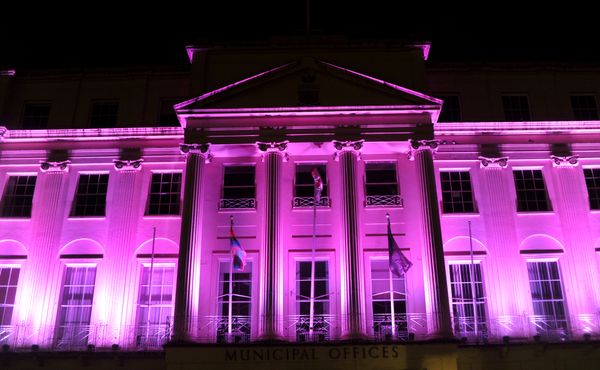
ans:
(399, 264)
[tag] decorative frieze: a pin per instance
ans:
(47, 166)
(499, 162)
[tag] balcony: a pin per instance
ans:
(237, 203)
(383, 201)
(309, 202)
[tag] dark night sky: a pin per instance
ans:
(110, 34)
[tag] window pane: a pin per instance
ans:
(17, 199)
(164, 195)
(457, 196)
(90, 199)
(531, 191)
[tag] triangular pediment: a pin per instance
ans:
(306, 83)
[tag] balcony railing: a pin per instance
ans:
(383, 201)
(309, 202)
(239, 203)
(325, 328)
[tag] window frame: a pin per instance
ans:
(227, 204)
(100, 125)
(549, 208)
(5, 187)
(308, 201)
(72, 212)
(444, 212)
(382, 200)
(38, 103)
(574, 110)
(147, 212)
(4, 304)
(483, 325)
(512, 112)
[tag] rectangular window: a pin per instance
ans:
(584, 107)
(75, 309)
(547, 297)
(239, 188)
(18, 196)
(592, 181)
(312, 324)
(167, 116)
(381, 185)
(531, 191)
(450, 109)
(235, 297)
(304, 188)
(468, 300)
(104, 114)
(155, 306)
(90, 199)
(35, 115)
(9, 276)
(457, 195)
(516, 108)
(388, 297)
(165, 193)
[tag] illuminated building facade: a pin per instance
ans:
(115, 228)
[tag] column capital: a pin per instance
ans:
(347, 146)
(3, 131)
(47, 166)
(279, 147)
(496, 162)
(565, 162)
(198, 149)
(128, 165)
(418, 145)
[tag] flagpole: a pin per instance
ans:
(312, 270)
(150, 283)
(230, 303)
(391, 285)
(473, 290)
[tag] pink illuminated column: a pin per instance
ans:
(352, 283)
(190, 244)
(43, 286)
(578, 265)
(120, 239)
(508, 285)
(271, 256)
(434, 269)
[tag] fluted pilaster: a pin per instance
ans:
(271, 256)
(352, 286)
(436, 294)
(190, 243)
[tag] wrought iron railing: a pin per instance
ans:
(306, 202)
(383, 201)
(152, 337)
(236, 330)
(239, 203)
(78, 337)
(322, 327)
(467, 328)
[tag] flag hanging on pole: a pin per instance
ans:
(318, 185)
(237, 252)
(399, 264)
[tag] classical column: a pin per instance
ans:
(190, 243)
(352, 277)
(48, 214)
(434, 269)
(271, 256)
(122, 229)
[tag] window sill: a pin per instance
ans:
(461, 214)
(86, 218)
(535, 213)
(17, 219)
(161, 217)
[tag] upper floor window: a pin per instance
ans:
(388, 299)
(516, 108)
(234, 302)
(90, 199)
(381, 185)
(584, 107)
(312, 301)
(304, 188)
(457, 194)
(239, 188)
(531, 191)
(164, 194)
(592, 181)
(9, 276)
(35, 115)
(167, 115)
(468, 299)
(18, 196)
(75, 310)
(155, 306)
(450, 109)
(104, 114)
(548, 299)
